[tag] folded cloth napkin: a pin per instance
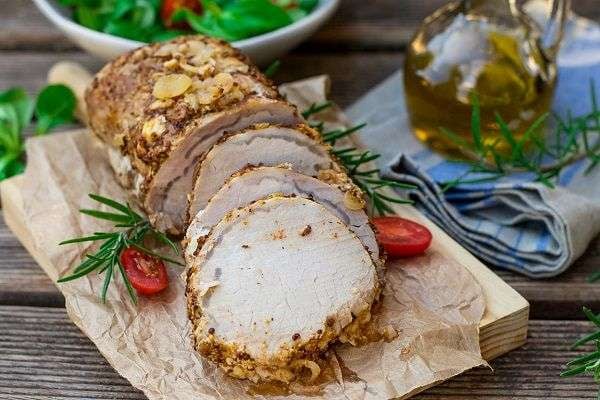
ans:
(511, 223)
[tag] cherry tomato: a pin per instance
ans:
(169, 7)
(147, 274)
(401, 237)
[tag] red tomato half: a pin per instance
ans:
(401, 237)
(147, 274)
(169, 7)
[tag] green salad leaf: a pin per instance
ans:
(235, 20)
(53, 107)
(226, 19)
(297, 9)
(22, 104)
(131, 19)
(16, 109)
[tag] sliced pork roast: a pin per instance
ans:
(263, 144)
(339, 196)
(274, 285)
(160, 107)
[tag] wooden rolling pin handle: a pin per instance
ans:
(77, 78)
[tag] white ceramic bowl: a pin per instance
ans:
(262, 49)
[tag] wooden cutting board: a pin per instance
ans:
(504, 324)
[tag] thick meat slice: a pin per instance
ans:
(300, 146)
(257, 183)
(276, 283)
(162, 106)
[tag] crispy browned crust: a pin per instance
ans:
(120, 99)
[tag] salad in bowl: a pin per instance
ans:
(263, 29)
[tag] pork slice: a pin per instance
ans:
(267, 294)
(167, 197)
(256, 183)
(264, 145)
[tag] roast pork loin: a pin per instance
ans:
(282, 261)
(339, 196)
(274, 285)
(263, 144)
(162, 106)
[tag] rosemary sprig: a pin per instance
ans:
(357, 163)
(272, 69)
(316, 108)
(588, 363)
(131, 231)
(543, 156)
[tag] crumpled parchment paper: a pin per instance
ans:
(433, 303)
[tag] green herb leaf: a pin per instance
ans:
(316, 108)
(235, 20)
(90, 17)
(272, 69)
(206, 24)
(131, 229)
(152, 253)
(530, 151)
(308, 5)
(247, 18)
(107, 279)
(125, 209)
(15, 114)
(355, 162)
(98, 236)
(55, 105)
(22, 104)
(164, 239)
(226, 19)
(587, 363)
(16, 110)
(121, 219)
(130, 289)
(476, 123)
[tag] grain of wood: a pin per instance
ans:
(43, 355)
(352, 74)
(21, 279)
(29, 69)
(375, 25)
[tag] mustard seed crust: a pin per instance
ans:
(145, 102)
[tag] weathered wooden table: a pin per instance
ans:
(44, 356)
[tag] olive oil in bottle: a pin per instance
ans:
(487, 49)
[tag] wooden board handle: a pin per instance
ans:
(77, 78)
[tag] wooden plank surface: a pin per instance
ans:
(376, 24)
(352, 74)
(45, 356)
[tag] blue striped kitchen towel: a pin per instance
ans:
(511, 223)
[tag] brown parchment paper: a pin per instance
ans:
(433, 304)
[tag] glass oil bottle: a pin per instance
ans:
(484, 48)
